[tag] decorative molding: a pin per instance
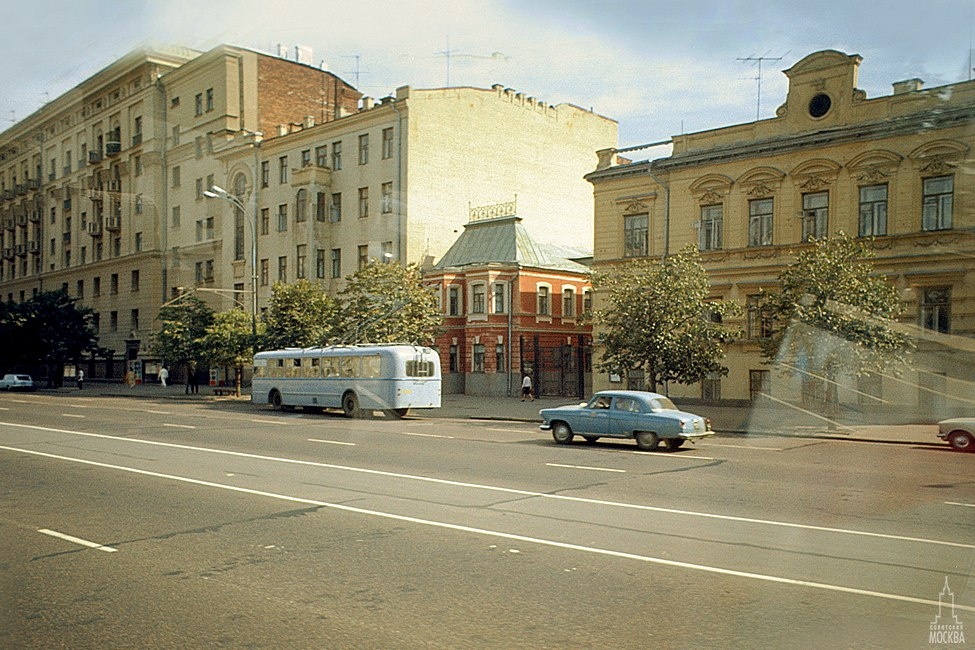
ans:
(813, 183)
(759, 190)
(874, 174)
(635, 207)
(760, 252)
(710, 197)
(936, 165)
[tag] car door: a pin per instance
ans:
(624, 416)
(594, 417)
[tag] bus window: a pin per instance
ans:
(312, 368)
(294, 369)
(371, 366)
(330, 367)
(349, 366)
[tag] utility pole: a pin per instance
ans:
(760, 59)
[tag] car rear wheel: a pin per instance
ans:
(961, 441)
(673, 444)
(562, 433)
(647, 440)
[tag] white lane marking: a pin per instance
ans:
(595, 469)
(494, 488)
(78, 540)
(716, 444)
(512, 536)
(506, 430)
(964, 505)
(73, 415)
(75, 406)
(426, 435)
(4, 408)
(157, 412)
(680, 456)
(21, 401)
(332, 442)
(178, 426)
(268, 422)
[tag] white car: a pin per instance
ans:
(959, 432)
(16, 382)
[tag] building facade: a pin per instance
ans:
(896, 170)
(512, 307)
(220, 173)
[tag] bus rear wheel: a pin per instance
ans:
(350, 405)
(276, 401)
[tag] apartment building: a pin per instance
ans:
(896, 169)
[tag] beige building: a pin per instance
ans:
(897, 168)
(105, 191)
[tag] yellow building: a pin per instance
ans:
(897, 168)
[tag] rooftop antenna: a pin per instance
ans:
(12, 118)
(760, 59)
(356, 72)
(446, 53)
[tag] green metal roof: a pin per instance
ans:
(505, 240)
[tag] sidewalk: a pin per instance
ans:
(726, 420)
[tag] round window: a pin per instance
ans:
(820, 105)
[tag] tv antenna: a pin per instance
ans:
(760, 60)
(446, 54)
(356, 72)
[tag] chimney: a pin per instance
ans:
(304, 54)
(907, 86)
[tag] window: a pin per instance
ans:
(134, 319)
(208, 273)
(306, 158)
(934, 311)
(321, 206)
(586, 301)
(873, 211)
(320, 263)
(199, 189)
(336, 258)
(80, 291)
(387, 198)
(478, 357)
(209, 99)
(498, 297)
(113, 284)
(453, 364)
(176, 178)
(709, 233)
(636, 233)
(265, 173)
(499, 364)
(283, 169)
(336, 156)
(760, 222)
(568, 303)
(135, 280)
(283, 268)
(363, 252)
(387, 143)
(96, 287)
(364, 149)
(387, 251)
(175, 136)
(283, 217)
(265, 272)
(300, 255)
(815, 215)
(198, 110)
(711, 387)
(759, 384)
(301, 206)
(453, 301)
(321, 156)
(113, 321)
(936, 207)
(759, 324)
(136, 132)
(363, 202)
(477, 299)
(544, 307)
(335, 208)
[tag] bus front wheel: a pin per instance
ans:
(350, 405)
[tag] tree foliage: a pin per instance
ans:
(49, 328)
(658, 318)
(831, 313)
(387, 303)
(300, 315)
(229, 341)
(182, 328)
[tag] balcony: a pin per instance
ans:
(113, 149)
(9, 223)
(115, 185)
(311, 174)
(136, 139)
(7, 195)
(94, 157)
(21, 219)
(34, 247)
(66, 170)
(34, 216)
(96, 195)
(20, 189)
(94, 229)
(21, 250)
(8, 253)
(113, 223)
(33, 183)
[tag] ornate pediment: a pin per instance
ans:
(759, 190)
(936, 166)
(813, 184)
(710, 197)
(873, 174)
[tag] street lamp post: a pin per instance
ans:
(216, 192)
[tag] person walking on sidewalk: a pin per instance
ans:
(526, 388)
(163, 376)
(81, 379)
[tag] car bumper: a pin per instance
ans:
(694, 435)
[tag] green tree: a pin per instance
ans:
(831, 313)
(182, 328)
(229, 341)
(300, 315)
(658, 318)
(387, 303)
(49, 328)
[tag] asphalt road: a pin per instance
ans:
(138, 523)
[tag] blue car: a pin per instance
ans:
(646, 417)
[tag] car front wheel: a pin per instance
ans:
(961, 441)
(647, 440)
(562, 433)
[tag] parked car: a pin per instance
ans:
(646, 417)
(16, 382)
(959, 432)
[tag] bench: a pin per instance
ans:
(219, 392)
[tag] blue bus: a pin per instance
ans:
(355, 378)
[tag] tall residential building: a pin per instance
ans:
(895, 170)
(106, 190)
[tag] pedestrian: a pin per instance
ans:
(81, 379)
(163, 376)
(526, 388)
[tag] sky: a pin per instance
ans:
(659, 68)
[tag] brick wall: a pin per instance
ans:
(288, 91)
